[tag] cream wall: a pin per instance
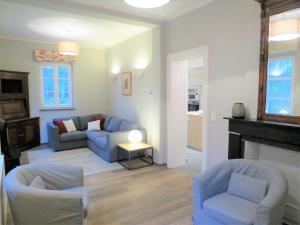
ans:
(144, 104)
(88, 77)
(231, 29)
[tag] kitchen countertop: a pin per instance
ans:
(195, 113)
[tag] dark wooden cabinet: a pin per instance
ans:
(23, 133)
(18, 131)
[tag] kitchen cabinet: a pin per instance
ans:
(195, 130)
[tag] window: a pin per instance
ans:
(56, 86)
(279, 99)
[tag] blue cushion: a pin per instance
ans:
(127, 126)
(113, 125)
(72, 136)
(230, 209)
(250, 188)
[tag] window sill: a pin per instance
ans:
(57, 109)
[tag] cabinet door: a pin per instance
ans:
(30, 135)
(12, 137)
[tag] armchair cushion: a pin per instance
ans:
(38, 183)
(72, 136)
(250, 188)
(240, 212)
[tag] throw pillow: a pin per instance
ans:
(69, 125)
(102, 121)
(247, 187)
(60, 125)
(94, 125)
(38, 183)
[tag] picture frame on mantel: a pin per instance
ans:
(127, 84)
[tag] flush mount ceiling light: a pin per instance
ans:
(68, 48)
(284, 30)
(147, 4)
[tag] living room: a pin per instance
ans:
(117, 40)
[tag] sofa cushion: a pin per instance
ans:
(106, 122)
(230, 209)
(102, 121)
(61, 127)
(114, 124)
(73, 136)
(250, 188)
(38, 183)
(85, 119)
(98, 137)
(127, 126)
(85, 200)
(94, 125)
(69, 125)
(75, 120)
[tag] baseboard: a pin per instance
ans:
(292, 214)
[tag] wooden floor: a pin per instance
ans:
(152, 195)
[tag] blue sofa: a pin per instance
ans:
(103, 143)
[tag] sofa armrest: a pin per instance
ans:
(210, 183)
(53, 135)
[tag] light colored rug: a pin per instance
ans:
(83, 157)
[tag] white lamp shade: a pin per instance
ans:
(285, 30)
(135, 136)
(68, 48)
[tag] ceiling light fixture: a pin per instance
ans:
(285, 30)
(68, 48)
(146, 4)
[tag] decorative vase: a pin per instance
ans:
(238, 110)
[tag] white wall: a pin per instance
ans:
(88, 76)
(144, 104)
(231, 29)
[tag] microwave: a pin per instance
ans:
(193, 96)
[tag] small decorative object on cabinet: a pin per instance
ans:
(18, 130)
(238, 111)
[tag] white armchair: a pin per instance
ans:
(63, 201)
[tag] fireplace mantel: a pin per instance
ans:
(286, 136)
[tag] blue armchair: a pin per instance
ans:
(239, 192)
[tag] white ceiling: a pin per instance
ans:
(30, 23)
(91, 23)
(170, 11)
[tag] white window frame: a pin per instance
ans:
(57, 105)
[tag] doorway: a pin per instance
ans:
(179, 94)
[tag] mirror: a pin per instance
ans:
(279, 83)
(283, 73)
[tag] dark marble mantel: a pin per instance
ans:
(286, 136)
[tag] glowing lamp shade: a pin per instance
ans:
(68, 48)
(284, 30)
(147, 4)
(135, 136)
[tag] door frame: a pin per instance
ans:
(172, 126)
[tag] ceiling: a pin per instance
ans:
(170, 11)
(92, 23)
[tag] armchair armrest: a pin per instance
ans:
(210, 183)
(53, 135)
(270, 210)
(51, 207)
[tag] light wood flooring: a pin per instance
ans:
(148, 196)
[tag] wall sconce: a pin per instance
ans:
(115, 71)
(139, 67)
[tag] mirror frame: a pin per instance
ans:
(268, 9)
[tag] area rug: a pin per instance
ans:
(84, 157)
